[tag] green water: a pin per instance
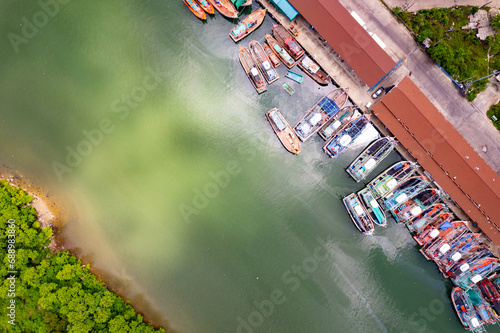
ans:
(139, 118)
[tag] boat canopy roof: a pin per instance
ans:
(345, 140)
(266, 65)
(277, 120)
(434, 233)
(474, 322)
(305, 128)
(370, 163)
(254, 71)
(392, 183)
(476, 278)
(374, 203)
(445, 248)
(401, 198)
(456, 256)
(330, 107)
(358, 210)
(310, 65)
(316, 118)
(464, 267)
(415, 211)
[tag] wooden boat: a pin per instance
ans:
(313, 70)
(272, 56)
(465, 310)
(195, 9)
(404, 191)
(241, 3)
(432, 215)
(370, 158)
(350, 132)
(248, 25)
(319, 114)
(283, 131)
(263, 62)
(294, 76)
(288, 89)
(413, 207)
(286, 40)
(434, 248)
(206, 6)
(335, 123)
(358, 215)
(280, 52)
(251, 70)
(481, 306)
(372, 207)
(225, 7)
(476, 271)
(390, 178)
(464, 247)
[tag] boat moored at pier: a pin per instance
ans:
(248, 25)
(225, 7)
(391, 177)
(286, 40)
(262, 60)
(346, 136)
(280, 52)
(312, 69)
(372, 207)
(206, 6)
(337, 121)
(195, 8)
(358, 215)
(251, 70)
(370, 158)
(283, 131)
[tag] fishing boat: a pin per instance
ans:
(294, 76)
(319, 114)
(404, 191)
(225, 7)
(272, 56)
(370, 158)
(251, 70)
(481, 306)
(195, 9)
(372, 207)
(263, 62)
(477, 271)
(341, 141)
(436, 246)
(280, 52)
(416, 205)
(490, 292)
(465, 310)
(241, 3)
(336, 122)
(432, 215)
(358, 214)
(286, 40)
(288, 89)
(283, 131)
(206, 6)
(390, 178)
(313, 70)
(464, 247)
(248, 25)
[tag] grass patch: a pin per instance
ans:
(458, 51)
(494, 113)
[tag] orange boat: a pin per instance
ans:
(272, 56)
(207, 6)
(225, 7)
(248, 25)
(251, 70)
(280, 52)
(286, 40)
(283, 131)
(262, 60)
(196, 9)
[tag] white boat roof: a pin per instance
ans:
(374, 203)
(434, 233)
(309, 64)
(358, 210)
(254, 71)
(464, 267)
(456, 256)
(345, 140)
(415, 211)
(266, 65)
(370, 164)
(316, 118)
(476, 278)
(336, 124)
(401, 198)
(305, 128)
(392, 183)
(474, 322)
(445, 248)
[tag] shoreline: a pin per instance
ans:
(49, 214)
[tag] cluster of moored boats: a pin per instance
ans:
(459, 253)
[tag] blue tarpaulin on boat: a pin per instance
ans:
(286, 8)
(329, 106)
(445, 226)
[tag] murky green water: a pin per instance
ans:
(141, 118)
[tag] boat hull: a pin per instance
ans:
(283, 131)
(370, 158)
(286, 41)
(343, 139)
(384, 183)
(248, 25)
(206, 6)
(195, 9)
(263, 62)
(225, 7)
(251, 70)
(372, 207)
(313, 71)
(358, 215)
(279, 51)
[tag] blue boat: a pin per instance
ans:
(294, 76)
(370, 158)
(405, 191)
(346, 136)
(372, 207)
(358, 215)
(390, 178)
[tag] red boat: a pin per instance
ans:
(195, 9)
(286, 40)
